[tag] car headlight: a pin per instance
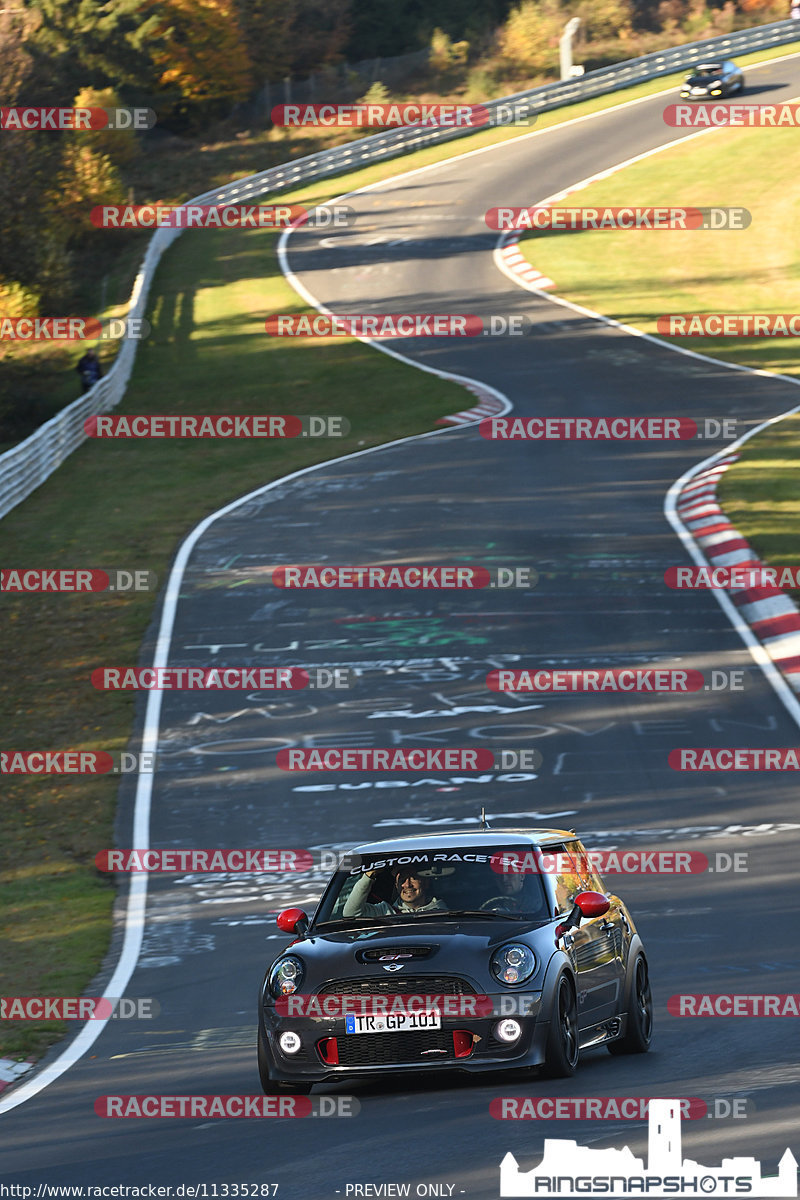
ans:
(286, 976)
(513, 964)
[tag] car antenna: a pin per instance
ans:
(483, 818)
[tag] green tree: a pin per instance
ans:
(78, 42)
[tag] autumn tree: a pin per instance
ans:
(200, 56)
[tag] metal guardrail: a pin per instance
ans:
(26, 466)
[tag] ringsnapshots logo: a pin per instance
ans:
(425, 577)
(567, 1169)
(60, 119)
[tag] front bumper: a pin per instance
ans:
(463, 1043)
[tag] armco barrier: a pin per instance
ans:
(30, 463)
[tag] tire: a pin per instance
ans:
(639, 1033)
(561, 1052)
(272, 1087)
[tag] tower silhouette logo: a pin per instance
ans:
(570, 1170)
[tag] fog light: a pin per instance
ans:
(289, 1042)
(508, 1030)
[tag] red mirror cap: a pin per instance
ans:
(592, 904)
(287, 920)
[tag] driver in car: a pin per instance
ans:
(413, 896)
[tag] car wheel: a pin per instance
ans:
(272, 1087)
(639, 1033)
(561, 1051)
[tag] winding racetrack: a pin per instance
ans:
(590, 518)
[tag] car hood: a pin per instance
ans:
(435, 947)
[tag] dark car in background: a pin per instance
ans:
(712, 79)
(468, 951)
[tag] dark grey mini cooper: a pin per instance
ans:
(469, 951)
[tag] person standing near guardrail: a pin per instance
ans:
(89, 369)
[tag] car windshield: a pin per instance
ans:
(389, 887)
(705, 74)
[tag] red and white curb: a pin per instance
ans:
(489, 405)
(11, 1071)
(516, 262)
(769, 612)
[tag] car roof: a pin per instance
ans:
(466, 838)
(710, 66)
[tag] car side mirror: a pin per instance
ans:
(586, 904)
(292, 920)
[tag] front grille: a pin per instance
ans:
(398, 984)
(386, 1049)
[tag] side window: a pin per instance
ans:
(591, 880)
(567, 879)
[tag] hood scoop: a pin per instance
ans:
(389, 954)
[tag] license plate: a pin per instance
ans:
(391, 1022)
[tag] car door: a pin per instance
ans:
(595, 946)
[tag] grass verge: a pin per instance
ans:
(637, 276)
